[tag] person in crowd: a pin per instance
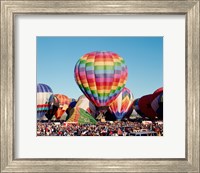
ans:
(117, 128)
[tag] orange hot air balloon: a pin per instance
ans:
(64, 102)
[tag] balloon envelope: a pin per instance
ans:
(43, 94)
(145, 104)
(53, 107)
(122, 106)
(81, 116)
(158, 91)
(86, 105)
(157, 105)
(72, 104)
(137, 108)
(101, 76)
(64, 102)
(81, 97)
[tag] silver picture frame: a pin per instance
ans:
(11, 8)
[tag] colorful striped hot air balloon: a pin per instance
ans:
(101, 76)
(64, 102)
(43, 94)
(122, 106)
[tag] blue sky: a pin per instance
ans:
(57, 56)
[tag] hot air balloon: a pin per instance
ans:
(122, 106)
(43, 94)
(81, 116)
(136, 106)
(72, 104)
(158, 91)
(101, 76)
(86, 105)
(157, 105)
(53, 107)
(81, 97)
(137, 109)
(145, 104)
(63, 105)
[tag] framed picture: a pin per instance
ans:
(41, 38)
(106, 74)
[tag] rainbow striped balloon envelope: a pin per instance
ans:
(101, 76)
(123, 105)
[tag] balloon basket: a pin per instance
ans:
(103, 120)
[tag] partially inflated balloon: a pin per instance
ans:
(53, 107)
(64, 102)
(101, 76)
(122, 106)
(72, 104)
(145, 106)
(148, 106)
(86, 105)
(81, 116)
(43, 94)
(137, 108)
(81, 97)
(158, 91)
(157, 105)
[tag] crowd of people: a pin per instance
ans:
(112, 128)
